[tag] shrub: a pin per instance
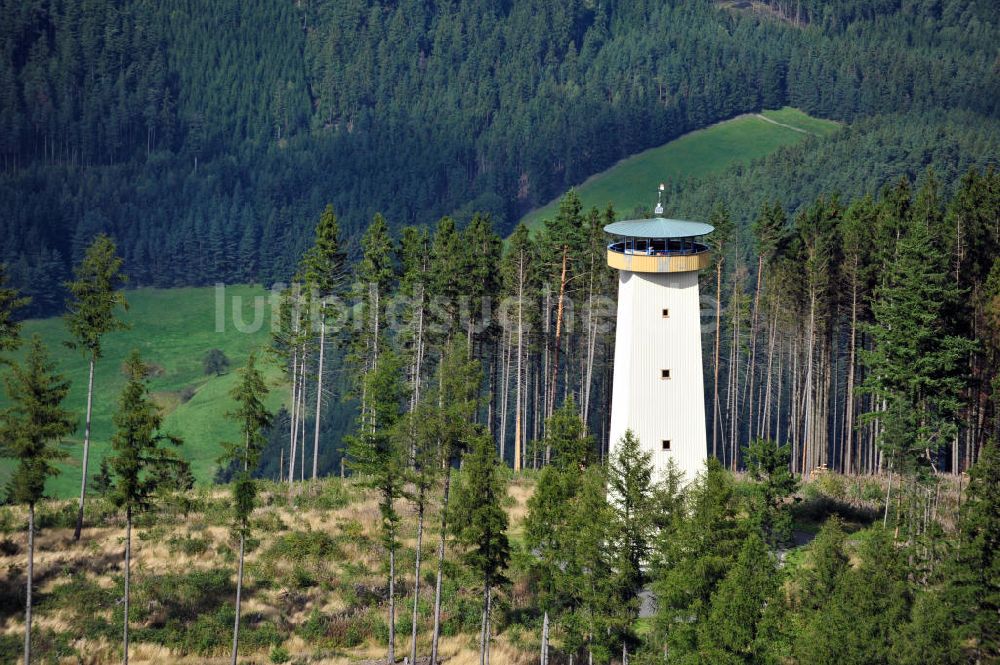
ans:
(300, 545)
(46, 646)
(831, 484)
(186, 393)
(215, 362)
(56, 516)
(280, 655)
(187, 545)
(256, 636)
(333, 495)
(80, 595)
(270, 522)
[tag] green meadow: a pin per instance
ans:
(632, 182)
(172, 329)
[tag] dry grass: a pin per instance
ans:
(160, 547)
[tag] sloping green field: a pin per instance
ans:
(172, 329)
(633, 181)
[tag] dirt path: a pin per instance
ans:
(781, 124)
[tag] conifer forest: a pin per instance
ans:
(308, 339)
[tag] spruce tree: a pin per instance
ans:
(550, 530)
(916, 363)
(479, 270)
(827, 562)
(10, 302)
(632, 495)
(561, 246)
(860, 622)
(458, 379)
(324, 269)
(445, 281)
(774, 483)
(723, 225)
(414, 258)
(692, 564)
(95, 298)
(975, 576)
(29, 433)
(377, 454)
(253, 418)
(733, 630)
(142, 464)
(588, 578)
(480, 524)
(519, 283)
(419, 432)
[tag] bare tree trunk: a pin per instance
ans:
(849, 407)
(545, 639)
(764, 426)
(888, 493)
(808, 438)
(392, 605)
(546, 346)
(31, 578)
(418, 360)
(734, 383)
(484, 632)
(319, 392)
(518, 424)
(718, 339)
(293, 421)
(86, 453)
(416, 578)
(302, 419)
(777, 415)
(751, 361)
(128, 572)
(239, 598)
(558, 340)
(793, 407)
(591, 345)
(440, 570)
(504, 398)
(489, 631)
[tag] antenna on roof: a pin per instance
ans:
(659, 200)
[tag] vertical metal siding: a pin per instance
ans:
(646, 343)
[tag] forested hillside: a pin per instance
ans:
(205, 137)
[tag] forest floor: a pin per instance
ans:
(632, 182)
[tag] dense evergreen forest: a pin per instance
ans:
(455, 369)
(204, 138)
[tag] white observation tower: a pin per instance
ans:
(658, 390)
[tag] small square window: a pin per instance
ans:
(666, 444)
(666, 313)
(664, 373)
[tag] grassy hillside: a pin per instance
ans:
(172, 328)
(633, 181)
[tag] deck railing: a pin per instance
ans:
(658, 255)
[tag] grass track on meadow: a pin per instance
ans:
(632, 182)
